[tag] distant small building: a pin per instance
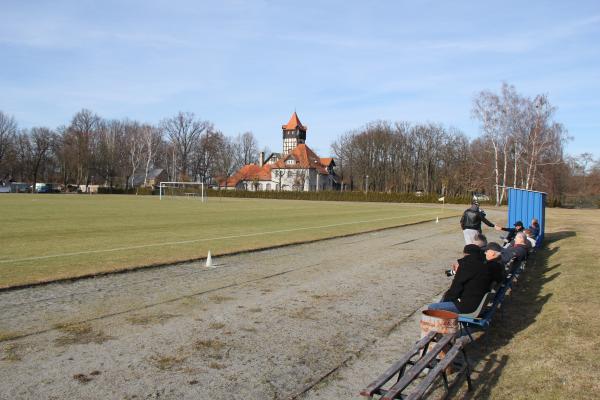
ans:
(296, 168)
(155, 176)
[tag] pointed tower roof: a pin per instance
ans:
(294, 123)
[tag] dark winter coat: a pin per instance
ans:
(512, 232)
(472, 219)
(518, 252)
(472, 280)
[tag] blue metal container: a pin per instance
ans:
(524, 205)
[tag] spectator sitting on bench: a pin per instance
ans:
(512, 232)
(534, 228)
(530, 239)
(471, 282)
(516, 251)
(480, 240)
(493, 259)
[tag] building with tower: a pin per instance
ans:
(296, 168)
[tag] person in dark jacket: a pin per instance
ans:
(470, 222)
(512, 232)
(493, 260)
(471, 282)
(535, 228)
(516, 251)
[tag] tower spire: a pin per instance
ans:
(294, 133)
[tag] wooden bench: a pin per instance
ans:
(414, 362)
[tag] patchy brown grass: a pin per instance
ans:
(547, 344)
(149, 319)
(4, 336)
(218, 299)
(304, 313)
(216, 325)
(209, 344)
(216, 365)
(79, 333)
(166, 362)
(82, 378)
(11, 352)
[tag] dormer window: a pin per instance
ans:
(290, 161)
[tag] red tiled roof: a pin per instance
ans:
(248, 172)
(305, 158)
(327, 161)
(294, 123)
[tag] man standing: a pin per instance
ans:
(471, 220)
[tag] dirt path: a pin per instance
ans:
(271, 324)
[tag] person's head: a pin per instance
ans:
(480, 240)
(493, 251)
(472, 249)
(520, 238)
(535, 223)
(519, 225)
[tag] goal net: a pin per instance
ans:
(180, 190)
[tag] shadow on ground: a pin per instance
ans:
(518, 312)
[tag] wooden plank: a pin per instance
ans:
(435, 372)
(374, 386)
(412, 373)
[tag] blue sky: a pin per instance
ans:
(246, 65)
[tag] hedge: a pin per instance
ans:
(326, 195)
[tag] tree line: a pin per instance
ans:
(519, 144)
(93, 150)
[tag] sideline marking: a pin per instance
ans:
(142, 246)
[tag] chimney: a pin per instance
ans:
(261, 159)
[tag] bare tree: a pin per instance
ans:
(487, 107)
(135, 148)
(8, 130)
(152, 139)
(34, 148)
(184, 131)
(81, 140)
(247, 147)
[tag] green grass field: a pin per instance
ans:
(48, 237)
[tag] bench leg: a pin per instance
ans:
(445, 378)
(465, 327)
(467, 370)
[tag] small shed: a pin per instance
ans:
(524, 205)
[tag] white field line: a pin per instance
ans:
(142, 246)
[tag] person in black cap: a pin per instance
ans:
(493, 261)
(471, 282)
(512, 232)
(471, 220)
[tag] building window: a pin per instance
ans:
(289, 174)
(268, 187)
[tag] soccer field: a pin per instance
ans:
(48, 237)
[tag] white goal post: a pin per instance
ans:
(191, 190)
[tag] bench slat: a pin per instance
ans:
(435, 372)
(374, 387)
(412, 373)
